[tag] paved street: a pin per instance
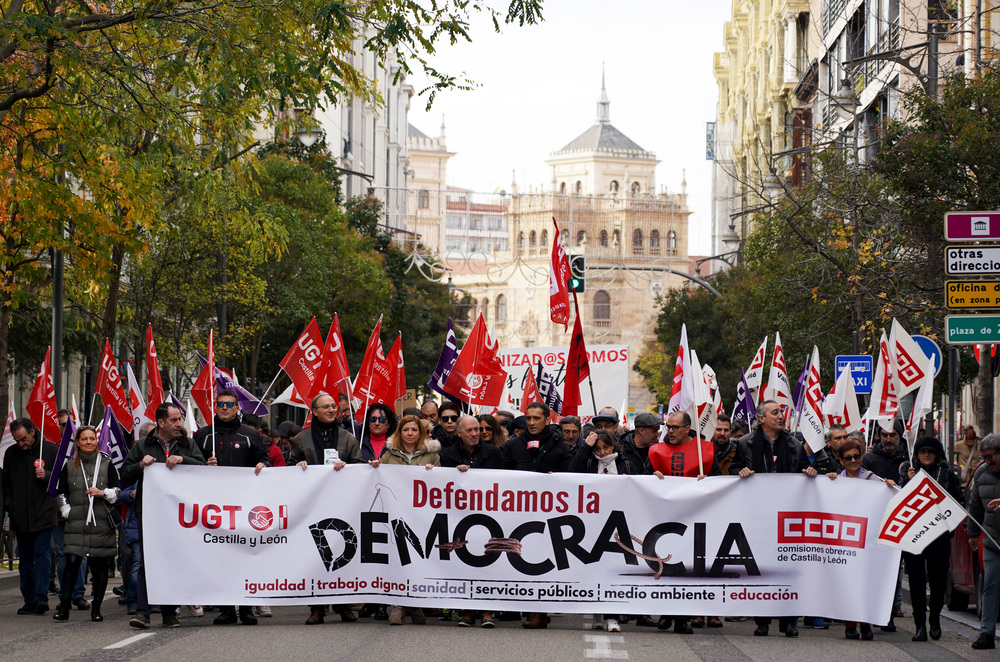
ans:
(569, 637)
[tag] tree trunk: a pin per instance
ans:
(984, 403)
(5, 375)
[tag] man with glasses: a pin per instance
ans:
(446, 430)
(984, 517)
(32, 510)
(229, 443)
(770, 449)
(167, 444)
(326, 442)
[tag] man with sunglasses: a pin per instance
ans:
(446, 430)
(229, 443)
(984, 517)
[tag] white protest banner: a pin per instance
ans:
(919, 514)
(518, 541)
(609, 371)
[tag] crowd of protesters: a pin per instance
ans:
(93, 524)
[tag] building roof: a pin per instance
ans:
(414, 131)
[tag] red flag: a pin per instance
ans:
(109, 387)
(41, 405)
(577, 367)
(203, 390)
(374, 380)
(154, 387)
(559, 274)
(334, 369)
(531, 393)
(303, 361)
(478, 376)
(398, 371)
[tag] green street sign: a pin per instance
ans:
(972, 329)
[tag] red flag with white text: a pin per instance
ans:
(374, 380)
(41, 405)
(334, 371)
(398, 371)
(577, 368)
(302, 363)
(559, 274)
(109, 387)
(478, 376)
(531, 393)
(203, 390)
(154, 386)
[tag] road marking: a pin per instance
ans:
(131, 640)
(602, 647)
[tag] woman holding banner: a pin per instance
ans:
(88, 486)
(851, 453)
(931, 566)
(379, 426)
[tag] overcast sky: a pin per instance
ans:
(538, 87)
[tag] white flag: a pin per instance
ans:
(755, 372)
(884, 404)
(811, 418)
(707, 417)
(778, 388)
(74, 411)
(135, 403)
(682, 389)
(918, 515)
(923, 404)
(908, 360)
(192, 424)
(841, 405)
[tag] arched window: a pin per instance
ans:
(545, 238)
(604, 238)
(614, 186)
(562, 188)
(654, 242)
(423, 199)
(532, 240)
(520, 240)
(581, 238)
(672, 243)
(486, 309)
(637, 241)
(635, 189)
(616, 239)
(602, 308)
(578, 188)
(501, 309)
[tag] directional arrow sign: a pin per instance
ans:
(971, 329)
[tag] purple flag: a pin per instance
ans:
(248, 403)
(744, 409)
(110, 441)
(177, 403)
(547, 389)
(449, 354)
(66, 449)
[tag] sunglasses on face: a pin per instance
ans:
(677, 427)
(376, 419)
(225, 405)
(448, 419)
(852, 458)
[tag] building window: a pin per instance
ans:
(475, 223)
(423, 199)
(453, 223)
(520, 240)
(614, 186)
(602, 309)
(604, 238)
(635, 189)
(672, 243)
(562, 188)
(496, 223)
(654, 242)
(545, 238)
(616, 239)
(581, 238)
(532, 240)
(501, 309)
(637, 241)
(578, 188)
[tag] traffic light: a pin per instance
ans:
(577, 273)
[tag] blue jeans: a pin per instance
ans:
(133, 574)
(58, 535)
(35, 559)
(991, 592)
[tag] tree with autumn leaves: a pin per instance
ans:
(116, 119)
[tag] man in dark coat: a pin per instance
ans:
(470, 452)
(541, 448)
(32, 510)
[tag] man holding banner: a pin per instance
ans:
(984, 503)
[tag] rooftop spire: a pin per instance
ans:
(603, 105)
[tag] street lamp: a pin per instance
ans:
(308, 135)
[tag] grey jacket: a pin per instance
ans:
(984, 488)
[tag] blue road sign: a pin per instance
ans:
(931, 349)
(862, 369)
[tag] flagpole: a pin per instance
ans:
(368, 395)
(271, 386)
(214, 384)
(350, 400)
(593, 402)
(41, 442)
(90, 416)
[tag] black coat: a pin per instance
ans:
(753, 451)
(235, 445)
(884, 465)
(552, 454)
(485, 456)
(585, 462)
(26, 498)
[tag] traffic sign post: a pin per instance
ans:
(972, 294)
(861, 367)
(972, 329)
(972, 226)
